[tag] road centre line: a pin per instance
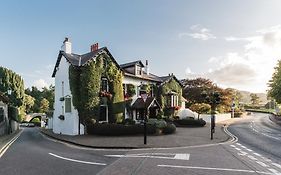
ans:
(215, 169)
(7, 145)
(78, 161)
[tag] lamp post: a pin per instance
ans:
(144, 97)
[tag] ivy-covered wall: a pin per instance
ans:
(85, 85)
(162, 97)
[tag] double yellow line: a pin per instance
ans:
(7, 145)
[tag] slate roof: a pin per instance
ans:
(144, 76)
(80, 60)
(140, 104)
(130, 64)
(166, 79)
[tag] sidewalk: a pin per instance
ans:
(6, 138)
(182, 137)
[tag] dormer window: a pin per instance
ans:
(138, 70)
(104, 85)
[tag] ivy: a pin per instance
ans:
(171, 86)
(85, 85)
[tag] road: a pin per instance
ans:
(254, 152)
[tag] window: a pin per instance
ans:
(104, 84)
(104, 62)
(1, 115)
(67, 104)
(139, 114)
(173, 100)
(139, 70)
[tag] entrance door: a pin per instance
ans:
(103, 113)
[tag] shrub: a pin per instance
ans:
(190, 122)
(112, 129)
(129, 121)
(160, 124)
(169, 129)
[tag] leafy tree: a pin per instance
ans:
(275, 83)
(29, 102)
(255, 99)
(44, 105)
(39, 95)
(201, 108)
(9, 80)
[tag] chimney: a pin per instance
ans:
(66, 47)
(94, 47)
(146, 67)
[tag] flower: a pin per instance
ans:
(177, 107)
(105, 94)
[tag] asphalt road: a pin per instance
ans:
(255, 152)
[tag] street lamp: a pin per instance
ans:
(144, 97)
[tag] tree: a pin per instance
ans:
(29, 102)
(254, 99)
(275, 83)
(201, 108)
(44, 106)
(38, 95)
(9, 80)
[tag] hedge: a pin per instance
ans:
(112, 129)
(169, 129)
(189, 122)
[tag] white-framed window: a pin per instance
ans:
(139, 70)
(67, 102)
(104, 85)
(173, 100)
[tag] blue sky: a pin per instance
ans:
(235, 43)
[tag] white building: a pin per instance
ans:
(65, 118)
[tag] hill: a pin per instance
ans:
(247, 99)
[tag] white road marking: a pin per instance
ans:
(233, 146)
(78, 161)
(238, 149)
(257, 154)
(215, 169)
(274, 171)
(7, 145)
(277, 165)
(244, 147)
(172, 156)
(249, 150)
(262, 164)
(242, 153)
(252, 157)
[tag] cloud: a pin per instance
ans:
(198, 32)
(252, 68)
(40, 83)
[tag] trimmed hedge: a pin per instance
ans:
(112, 129)
(189, 122)
(169, 129)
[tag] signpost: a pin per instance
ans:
(144, 97)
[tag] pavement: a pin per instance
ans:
(4, 139)
(182, 138)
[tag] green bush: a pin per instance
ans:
(169, 129)
(13, 113)
(190, 122)
(160, 124)
(112, 129)
(129, 121)
(201, 108)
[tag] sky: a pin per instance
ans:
(235, 43)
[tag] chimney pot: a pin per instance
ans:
(146, 67)
(66, 47)
(94, 47)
